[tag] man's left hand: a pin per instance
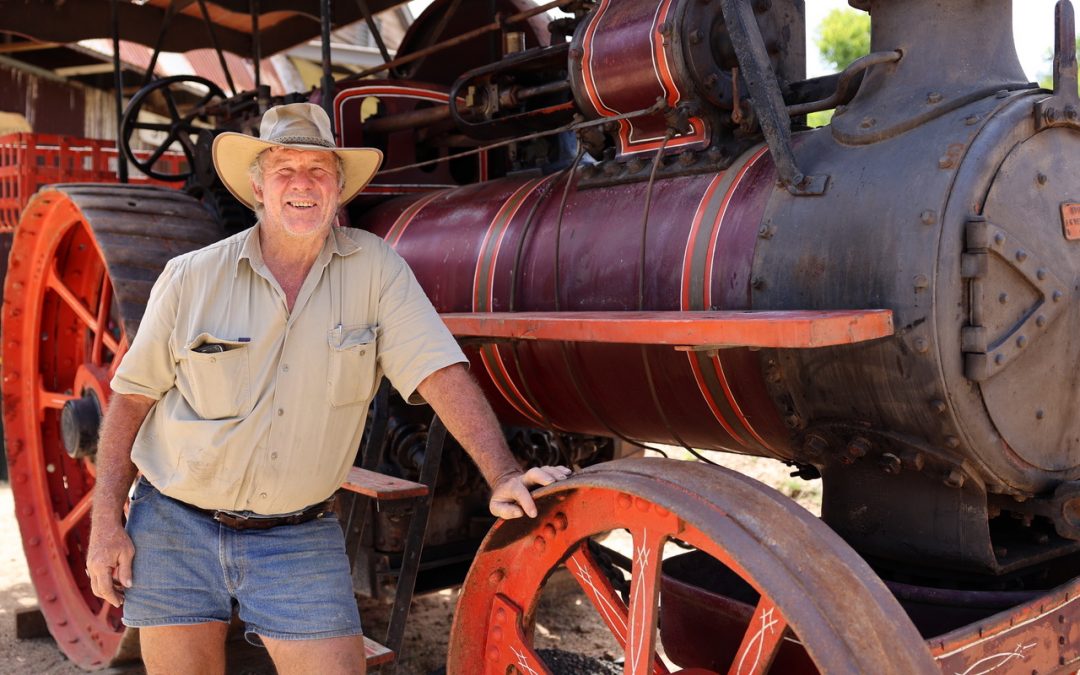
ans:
(510, 497)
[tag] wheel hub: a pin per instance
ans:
(80, 420)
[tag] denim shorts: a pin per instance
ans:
(290, 582)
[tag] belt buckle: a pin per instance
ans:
(230, 519)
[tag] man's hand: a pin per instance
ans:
(510, 497)
(108, 562)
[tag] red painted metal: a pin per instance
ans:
(492, 248)
(808, 581)
(793, 330)
(29, 161)
(1039, 636)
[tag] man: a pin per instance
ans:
(242, 400)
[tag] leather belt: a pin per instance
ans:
(239, 521)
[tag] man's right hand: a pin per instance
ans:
(108, 562)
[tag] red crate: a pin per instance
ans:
(28, 161)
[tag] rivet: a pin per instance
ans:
(500, 615)
(1040, 178)
(938, 406)
(1040, 274)
(51, 597)
(933, 97)
(561, 521)
(999, 359)
(641, 504)
(1056, 296)
(1002, 93)
(867, 122)
(496, 577)
(999, 239)
(945, 162)
(497, 633)
(1021, 342)
(955, 479)
(920, 281)
(890, 463)
(971, 120)
(815, 444)
(34, 541)
(928, 217)
(539, 544)
(922, 345)
(493, 653)
(858, 447)
(1003, 298)
(952, 442)
(625, 501)
(661, 511)
(549, 531)
(1040, 413)
(1021, 255)
(1040, 321)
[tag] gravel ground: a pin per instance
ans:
(564, 620)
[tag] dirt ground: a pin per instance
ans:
(565, 621)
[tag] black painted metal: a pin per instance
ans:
(217, 46)
(118, 83)
(327, 66)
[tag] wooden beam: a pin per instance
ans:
(30, 46)
(690, 330)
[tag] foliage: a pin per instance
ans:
(844, 35)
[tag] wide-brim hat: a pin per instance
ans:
(300, 126)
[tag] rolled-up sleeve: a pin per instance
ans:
(149, 366)
(413, 342)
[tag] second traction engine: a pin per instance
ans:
(945, 195)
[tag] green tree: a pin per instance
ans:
(843, 36)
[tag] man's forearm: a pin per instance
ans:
(461, 405)
(115, 472)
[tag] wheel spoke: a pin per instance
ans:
(762, 640)
(52, 399)
(174, 114)
(507, 641)
(644, 591)
(60, 288)
(102, 321)
(75, 515)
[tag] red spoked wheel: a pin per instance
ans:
(82, 264)
(809, 603)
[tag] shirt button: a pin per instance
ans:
(363, 351)
(280, 412)
(273, 455)
(213, 359)
(262, 495)
(285, 368)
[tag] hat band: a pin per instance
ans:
(305, 140)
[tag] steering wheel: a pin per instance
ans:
(180, 128)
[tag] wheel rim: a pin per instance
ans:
(67, 320)
(807, 579)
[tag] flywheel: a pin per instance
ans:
(797, 600)
(82, 265)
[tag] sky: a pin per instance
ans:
(1033, 21)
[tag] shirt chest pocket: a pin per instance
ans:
(352, 364)
(218, 377)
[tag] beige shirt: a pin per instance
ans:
(271, 423)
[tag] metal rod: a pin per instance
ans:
(1065, 72)
(426, 116)
(256, 43)
(166, 20)
(845, 83)
(464, 37)
(414, 542)
(373, 28)
(327, 73)
(118, 82)
(217, 46)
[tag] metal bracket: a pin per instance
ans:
(982, 358)
(1063, 108)
(768, 101)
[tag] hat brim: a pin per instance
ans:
(234, 154)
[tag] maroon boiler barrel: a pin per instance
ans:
(501, 246)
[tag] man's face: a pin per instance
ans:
(299, 192)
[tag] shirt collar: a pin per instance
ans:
(337, 242)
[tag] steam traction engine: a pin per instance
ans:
(624, 218)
